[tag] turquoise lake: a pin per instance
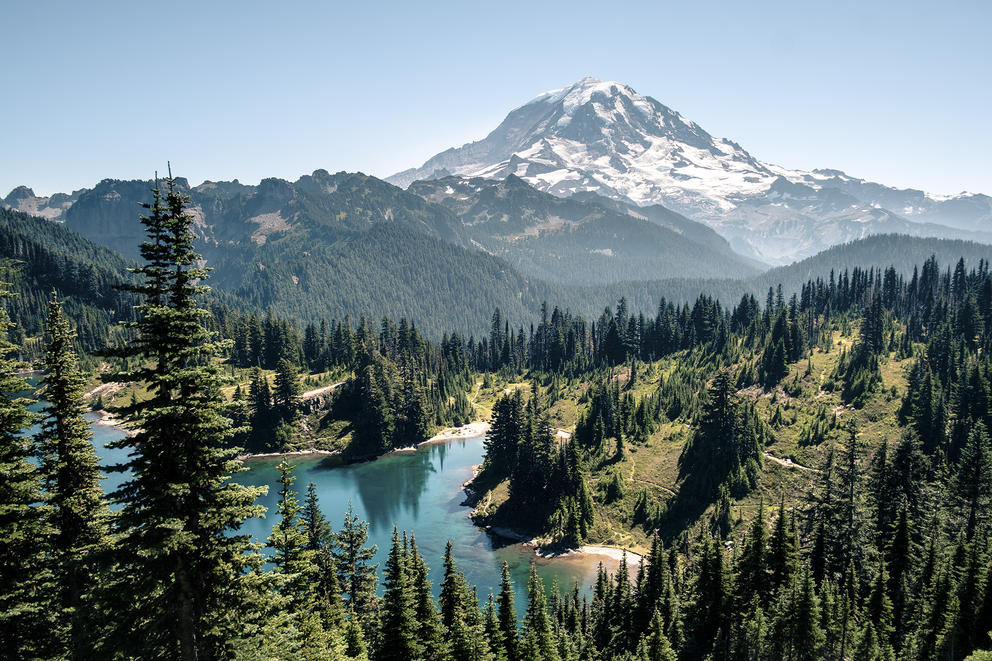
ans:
(420, 492)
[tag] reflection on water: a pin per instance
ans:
(417, 491)
(421, 492)
(392, 491)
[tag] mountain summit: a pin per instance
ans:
(604, 137)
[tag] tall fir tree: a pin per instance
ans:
(431, 633)
(399, 629)
(296, 570)
(288, 388)
(182, 571)
(508, 615)
(77, 510)
(538, 642)
(320, 541)
(355, 572)
(25, 582)
(973, 484)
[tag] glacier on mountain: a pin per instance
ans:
(604, 137)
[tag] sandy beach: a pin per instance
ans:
(611, 552)
(471, 430)
(107, 419)
(291, 453)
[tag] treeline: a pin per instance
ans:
(403, 388)
(547, 480)
(887, 557)
(752, 344)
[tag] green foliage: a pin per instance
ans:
(398, 609)
(538, 640)
(85, 276)
(182, 574)
(25, 580)
(78, 517)
(883, 558)
(351, 558)
(725, 449)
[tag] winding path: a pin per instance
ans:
(788, 463)
(317, 392)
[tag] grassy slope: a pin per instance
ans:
(654, 466)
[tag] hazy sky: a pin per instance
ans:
(894, 91)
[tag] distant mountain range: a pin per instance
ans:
(582, 195)
(583, 240)
(386, 270)
(606, 138)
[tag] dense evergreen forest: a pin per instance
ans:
(41, 256)
(884, 556)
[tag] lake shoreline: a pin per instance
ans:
(547, 552)
(106, 418)
(471, 430)
(468, 431)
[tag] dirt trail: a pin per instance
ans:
(105, 390)
(317, 392)
(788, 463)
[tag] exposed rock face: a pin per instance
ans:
(24, 199)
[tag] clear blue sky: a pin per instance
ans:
(895, 91)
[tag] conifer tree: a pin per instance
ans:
(78, 514)
(183, 574)
(375, 422)
(656, 644)
(807, 635)
(493, 634)
(315, 524)
(400, 641)
(320, 541)
(709, 611)
(621, 609)
(460, 614)
(430, 632)
(783, 550)
(351, 557)
(651, 584)
(453, 589)
(508, 615)
(538, 642)
(847, 550)
(752, 576)
(412, 426)
(296, 569)
(879, 607)
(288, 389)
(260, 396)
(973, 485)
(354, 638)
(503, 438)
(25, 582)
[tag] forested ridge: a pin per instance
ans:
(331, 245)
(869, 540)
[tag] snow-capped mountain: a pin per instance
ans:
(604, 137)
